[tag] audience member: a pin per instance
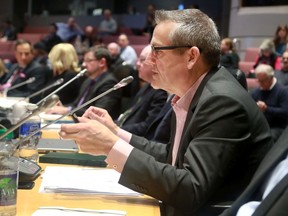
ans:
(97, 62)
(8, 32)
(272, 99)
(218, 134)
(128, 54)
(282, 75)
(64, 64)
(229, 57)
(52, 38)
(267, 192)
(147, 102)
(114, 50)
(40, 53)
(267, 54)
(108, 25)
(24, 69)
(150, 21)
(69, 31)
(281, 39)
(3, 69)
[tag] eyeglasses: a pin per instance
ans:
(284, 58)
(157, 48)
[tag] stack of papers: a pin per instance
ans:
(83, 181)
(55, 210)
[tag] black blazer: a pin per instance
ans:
(159, 130)
(224, 138)
(111, 102)
(67, 94)
(145, 107)
(276, 201)
(33, 69)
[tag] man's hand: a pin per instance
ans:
(91, 136)
(102, 116)
(262, 105)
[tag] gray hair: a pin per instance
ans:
(264, 68)
(195, 28)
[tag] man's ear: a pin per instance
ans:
(193, 56)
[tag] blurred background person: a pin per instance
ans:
(64, 64)
(24, 69)
(52, 38)
(8, 31)
(229, 57)
(281, 39)
(108, 26)
(282, 75)
(272, 99)
(69, 31)
(128, 54)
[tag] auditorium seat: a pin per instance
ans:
(36, 29)
(252, 83)
(32, 37)
(250, 57)
(7, 50)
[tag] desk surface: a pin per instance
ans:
(28, 201)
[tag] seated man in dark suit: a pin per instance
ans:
(147, 103)
(267, 192)
(97, 62)
(272, 99)
(24, 69)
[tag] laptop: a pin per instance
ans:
(56, 145)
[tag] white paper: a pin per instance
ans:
(62, 211)
(83, 180)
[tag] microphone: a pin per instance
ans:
(80, 74)
(56, 83)
(28, 81)
(46, 104)
(120, 84)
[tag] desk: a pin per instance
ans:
(28, 201)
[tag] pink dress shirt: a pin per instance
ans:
(118, 155)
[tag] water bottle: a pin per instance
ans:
(8, 176)
(28, 147)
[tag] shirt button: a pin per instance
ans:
(114, 166)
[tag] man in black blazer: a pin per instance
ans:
(97, 62)
(146, 104)
(24, 69)
(275, 202)
(218, 134)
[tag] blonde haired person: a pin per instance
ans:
(65, 64)
(3, 69)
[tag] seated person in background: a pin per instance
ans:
(267, 192)
(108, 26)
(69, 31)
(146, 104)
(272, 99)
(3, 69)
(128, 54)
(64, 64)
(8, 32)
(218, 135)
(267, 54)
(40, 53)
(24, 69)
(229, 57)
(282, 75)
(97, 62)
(114, 50)
(281, 39)
(52, 38)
